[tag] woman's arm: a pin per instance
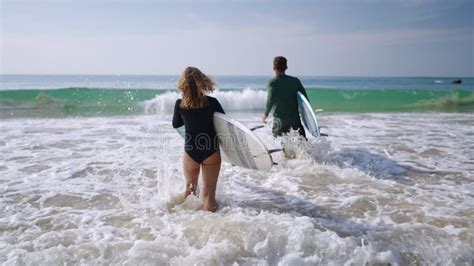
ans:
(219, 107)
(177, 119)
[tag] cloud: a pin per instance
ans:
(224, 46)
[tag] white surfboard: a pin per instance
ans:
(308, 116)
(238, 145)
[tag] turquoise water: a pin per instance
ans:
(65, 96)
(392, 184)
(13, 82)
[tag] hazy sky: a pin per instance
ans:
(336, 38)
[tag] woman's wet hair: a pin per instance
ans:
(194, 86)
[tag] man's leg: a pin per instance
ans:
(302, 132)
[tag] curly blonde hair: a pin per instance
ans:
(194, 85)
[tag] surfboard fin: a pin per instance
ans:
(323, 135)
(274, 150)
(275, 163)
(255, 128)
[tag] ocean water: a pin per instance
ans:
(72, 96)
(90, 173)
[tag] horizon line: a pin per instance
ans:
(246, 75)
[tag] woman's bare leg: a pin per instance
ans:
(191, 173)
(210, 172)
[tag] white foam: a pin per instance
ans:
(241, 100)
(383, 188)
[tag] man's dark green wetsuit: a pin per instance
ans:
(282, 93)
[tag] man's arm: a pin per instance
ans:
(301, 89)
(270, 100)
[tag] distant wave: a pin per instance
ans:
(71, 102)
(392, 100)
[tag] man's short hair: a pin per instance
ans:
(279, 63)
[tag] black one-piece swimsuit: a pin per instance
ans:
(200, 138)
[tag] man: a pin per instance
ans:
(282, 93)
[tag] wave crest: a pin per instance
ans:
(245, 100)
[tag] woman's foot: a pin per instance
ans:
(190, 189)
(210, 205)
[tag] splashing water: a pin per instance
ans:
(382, 188)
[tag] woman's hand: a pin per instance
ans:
(264, 118)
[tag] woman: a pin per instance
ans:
(195, 111)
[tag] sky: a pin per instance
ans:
(319, 38)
